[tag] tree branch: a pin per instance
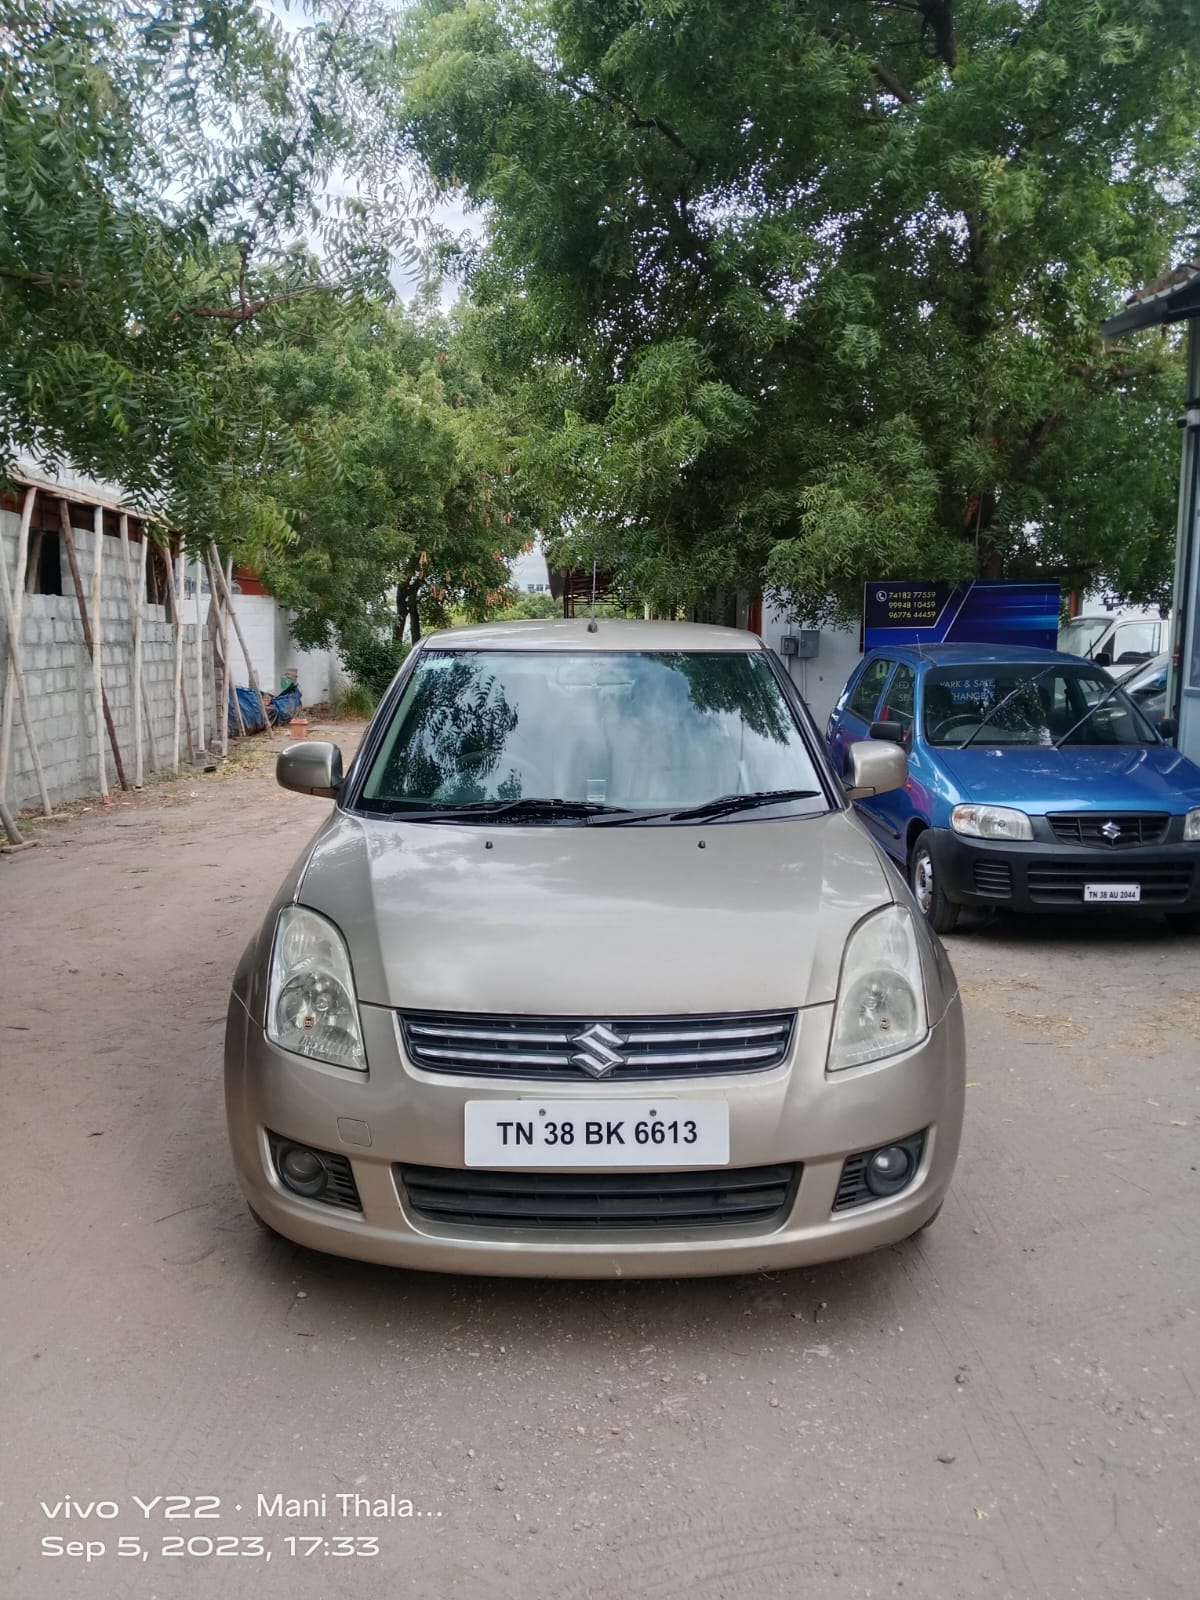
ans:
(887, 79)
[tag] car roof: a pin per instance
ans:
(610, 634)
(979, 655)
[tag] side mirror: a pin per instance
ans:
(874, 767)
(1168, 728)
(891, 732)
(1103, 659)
(310, 767)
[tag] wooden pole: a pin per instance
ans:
(227, 580)
(98, 651)
(200, 740)
(18, 605)
(250, 672)
(15, 680)
(181, 705)
(136, 687)
(221, 643)
(143, 563)
(9, 823)
(73, 559)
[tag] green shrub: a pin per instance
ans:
(372, 658)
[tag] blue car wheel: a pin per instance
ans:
(940, 913)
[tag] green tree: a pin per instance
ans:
(809, 292)
(402, 513)
(167, 175)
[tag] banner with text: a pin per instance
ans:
(895, 612)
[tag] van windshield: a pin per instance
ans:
(620, 731)
(1081, 635)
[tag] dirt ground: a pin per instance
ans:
(1006, 1407)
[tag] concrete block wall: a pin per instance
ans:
(58, 674)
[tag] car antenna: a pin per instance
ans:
(592, 627)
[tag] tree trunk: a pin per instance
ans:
(414, 620)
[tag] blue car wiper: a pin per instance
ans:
(1025, 683)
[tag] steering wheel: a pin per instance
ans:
(955, 724)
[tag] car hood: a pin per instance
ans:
(560, 919)
(1123, 777)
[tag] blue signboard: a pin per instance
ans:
(896, 612)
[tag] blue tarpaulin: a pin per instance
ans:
(281, 708)
(251, 711)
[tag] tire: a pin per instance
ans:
(1183, 921)
(941, 914)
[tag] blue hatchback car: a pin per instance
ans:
(1035, 784)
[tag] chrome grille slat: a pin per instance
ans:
(488, 1033)
(543, 1049)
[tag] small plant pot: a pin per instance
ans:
(298, 727)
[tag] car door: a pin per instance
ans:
(852, 720)
(889, 815)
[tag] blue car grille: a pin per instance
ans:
(1061, 884)
(1087, 827)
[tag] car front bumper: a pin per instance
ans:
(1038, 875)
(794, 1114)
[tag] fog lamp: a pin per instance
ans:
(302, 1170)
(889, 1169)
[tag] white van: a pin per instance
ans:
(1121, 641)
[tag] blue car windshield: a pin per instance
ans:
(1026, 705)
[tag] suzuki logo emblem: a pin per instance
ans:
(598, 1050)
(1111, 831)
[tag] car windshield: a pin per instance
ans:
(1080, 636)
(1027, 705)
(626, 731)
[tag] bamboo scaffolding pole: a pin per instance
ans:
(250, 672)
(98, 650)
(15, 678)
(221, 644)
(174, 588)
(17, 609)
(227, 581)
(200, 740)
(138, 700)
(9, 823)
(73, 560)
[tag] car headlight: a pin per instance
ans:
(311, 1007)
(991, 822)
(1191, 825)
(881, 997)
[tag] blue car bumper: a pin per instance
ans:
(1040, 875)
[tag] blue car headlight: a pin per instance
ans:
(991, 822)
(1191, 826)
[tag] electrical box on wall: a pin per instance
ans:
(803, 645)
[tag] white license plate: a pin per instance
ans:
(1127, 894)
(597, 1133)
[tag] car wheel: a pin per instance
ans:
(940, 913)
(1183, 921)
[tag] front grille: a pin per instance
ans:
(1087, 827)
(599, 1200)
(1062, 885)
(994, 879)
(644, 1047)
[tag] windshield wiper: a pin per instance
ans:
(1025, 683)
(726, 804)
(506, 810)
(1091, 711)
